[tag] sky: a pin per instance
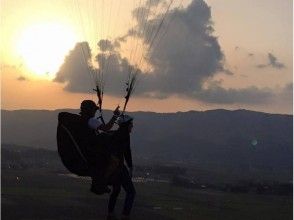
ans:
(188, 54)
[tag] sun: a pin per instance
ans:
(42, 47)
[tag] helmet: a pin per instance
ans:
(88, 104)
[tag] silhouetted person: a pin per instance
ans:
(122, 176)
(98, 153)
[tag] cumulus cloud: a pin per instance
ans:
(116, 71)
(187, 55)
(79, 75)
(106, 45)
(272, 62)
(183, 59)
(76, 72)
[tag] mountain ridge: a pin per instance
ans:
(149, 112)
(235, 141)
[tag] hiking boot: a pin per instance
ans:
(100, 190)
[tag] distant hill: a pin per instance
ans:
(22, 157)
(236, 142)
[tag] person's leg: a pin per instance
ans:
(101, 164)
(113, 198)
(128, 186)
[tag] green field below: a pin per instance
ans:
(41, 194)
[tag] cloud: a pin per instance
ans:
(106, 45)
(21, 78)
(272, 62)
(76, 72)
(183, 57)
(261, 66)
(249, 95)
(80, 76)
(284, 97)
(287, 92)
(116, 71)
(289, 87)
(187, 56)
(228, 72)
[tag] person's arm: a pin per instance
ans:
(109, 125)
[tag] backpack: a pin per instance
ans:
(70, 144)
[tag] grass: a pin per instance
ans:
(46, 195)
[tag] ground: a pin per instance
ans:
(43, 194)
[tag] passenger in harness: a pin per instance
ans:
(122, 176)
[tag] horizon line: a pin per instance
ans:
(141, 111)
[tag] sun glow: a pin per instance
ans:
(43, 47)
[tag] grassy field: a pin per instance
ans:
(36, 194)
